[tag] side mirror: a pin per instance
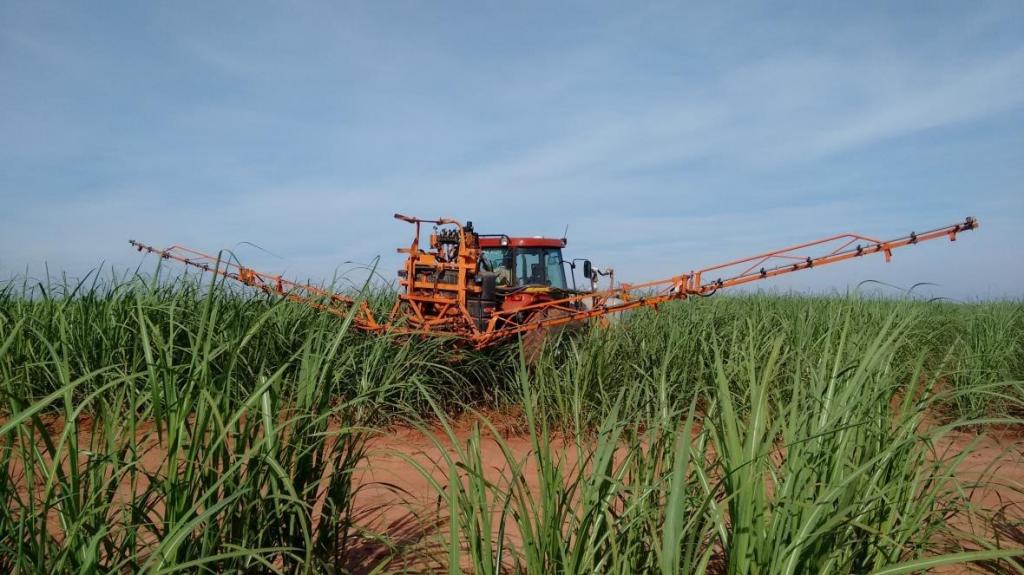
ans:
(588, 269)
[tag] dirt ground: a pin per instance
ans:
(398, 510)
(395, 499)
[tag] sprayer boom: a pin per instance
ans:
(482, 289)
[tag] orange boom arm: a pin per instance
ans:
(746, 270)
(312, 296)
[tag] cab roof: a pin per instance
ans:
(522, 242)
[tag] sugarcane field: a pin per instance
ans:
(512, 289)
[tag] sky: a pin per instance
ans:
(666, 136)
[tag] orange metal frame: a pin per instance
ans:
(429, 304)
(438, 283)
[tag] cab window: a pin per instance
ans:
(539, 266)
(494, 258)
(499, 261)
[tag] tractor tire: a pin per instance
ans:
(533, 341)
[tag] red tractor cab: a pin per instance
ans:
(529, 270)
(524, 262)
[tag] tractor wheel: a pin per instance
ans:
(533, 341)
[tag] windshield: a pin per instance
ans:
(527, 266)
(539, 266)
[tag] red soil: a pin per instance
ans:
(396, 500)
(398, 509)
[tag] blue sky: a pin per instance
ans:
(666, 137)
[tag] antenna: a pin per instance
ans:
(565, 235)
